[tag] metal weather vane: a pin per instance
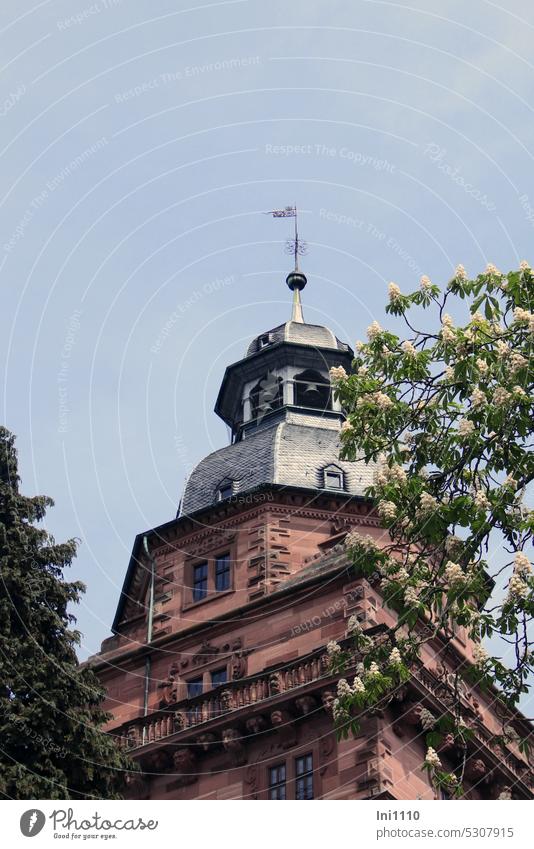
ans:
(295, 246)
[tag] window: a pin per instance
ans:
(226, 490)
(218, 677)
(209, 579)
(333, 479)
(222, 572)
(200, 581)
(263, 340)
(194, 687)
(277, 782)
(304, 777)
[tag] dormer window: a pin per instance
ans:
(263, 340)
(333, 478)
(225, 490)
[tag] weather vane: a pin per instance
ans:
(295, 246)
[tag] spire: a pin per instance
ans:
(296, 281)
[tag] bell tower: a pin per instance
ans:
(217, 674)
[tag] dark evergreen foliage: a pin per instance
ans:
(51, 742)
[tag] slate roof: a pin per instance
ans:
(302, 334)
(287, 454)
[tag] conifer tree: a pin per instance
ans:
(52, 745)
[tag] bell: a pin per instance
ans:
(268, 393)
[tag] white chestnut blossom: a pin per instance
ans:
(337, 373)
(409, 348)
(460, 273)
(522, 565)
(333, 648)
(359, 346)
(482, 366)
(454, 574)
(478, 398)
(492, 270)
(481, 501)
(477, 319)
(524, 266)
(373, 670)
(516, 361)
(395, 658)
(522, 315)
(411, 596)
(503, 349)
(387, 510)
(447, 334)
(356, 540)
(383, 401)
(401, 575)
(357, 685)
(501, 396)
(480, 655)
(338, 711)
(432, 758)
(346, 426)
(394, 292)
(374, 330)
(465, 427)
(517, 589)
(395, 473)
(343, 688)
(427, 503)
(426, 283)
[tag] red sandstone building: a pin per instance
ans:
(216, 674)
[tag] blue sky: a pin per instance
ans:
(140, 143)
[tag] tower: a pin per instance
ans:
(217, 674)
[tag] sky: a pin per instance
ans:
(140, 143)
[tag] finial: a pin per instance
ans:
(296, 281)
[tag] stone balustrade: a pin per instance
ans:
(232, 696)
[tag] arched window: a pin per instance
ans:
(267, 395)
(312, 389)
